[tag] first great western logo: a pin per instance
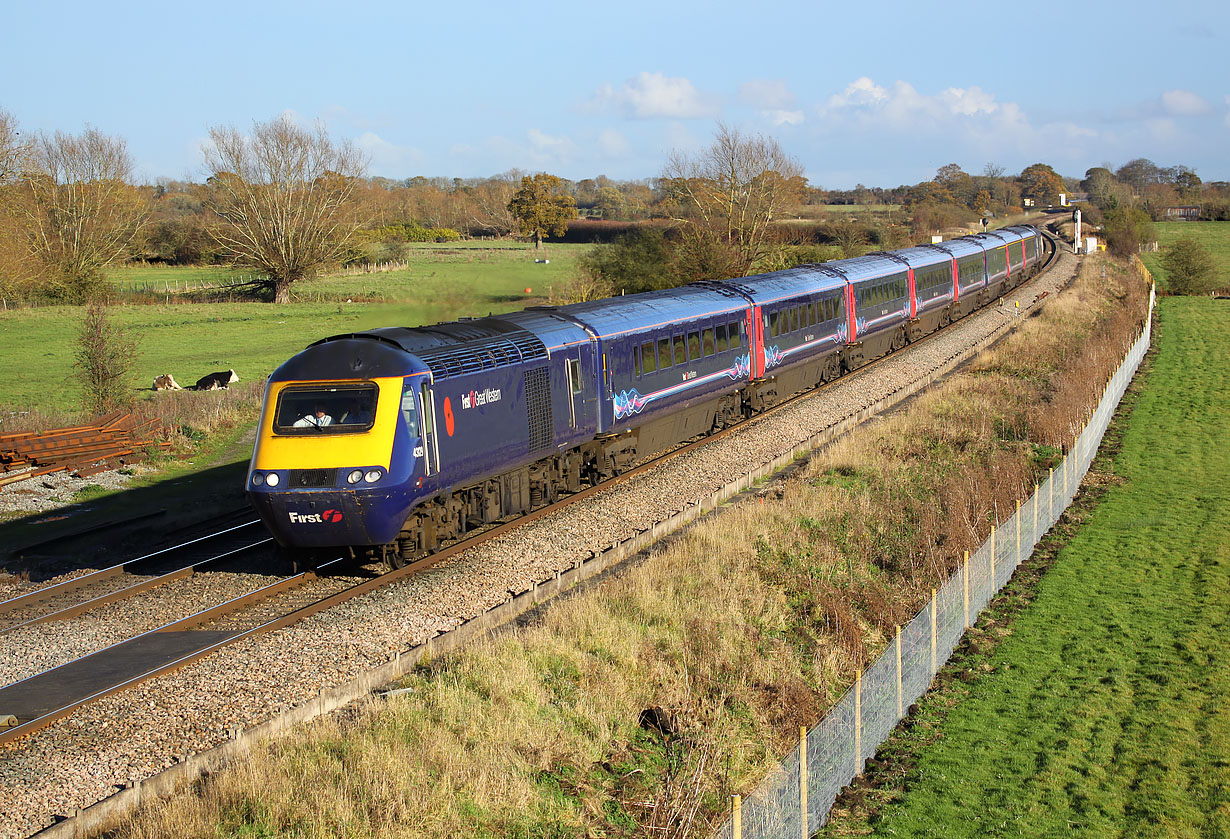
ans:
(327, 517)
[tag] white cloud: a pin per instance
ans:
(766, 94)
(388, 157)
(780, 117)
(1184, 103)
(613, 144)
(545, 146)
(860, 92)
(654, 96)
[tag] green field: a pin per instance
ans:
(1103, 711)
(1214, 235)
(189, 340)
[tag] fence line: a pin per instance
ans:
(795, 798)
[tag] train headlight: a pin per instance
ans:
(258, 478)
(272, 479)
(373, 475)
(355, 476)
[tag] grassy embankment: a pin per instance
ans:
(745, 627)
(1214, 235)
(1101, 710)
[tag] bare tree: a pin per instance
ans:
(734, 190)
(14, 150)
(15, 268)
(80, 212)
(282, 196)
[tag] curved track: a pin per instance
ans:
(56, 693)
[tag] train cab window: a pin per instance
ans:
(409, 411)
(648, 358)
(706, 338)
(693, 346)
(664, 353)
(325, 409)
(720, 334)
(732, 332)
(681, 351)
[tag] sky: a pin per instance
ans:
(878, 93)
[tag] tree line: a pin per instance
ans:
(287, 201)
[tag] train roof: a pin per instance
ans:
(638, 312)
(924, 256)
(870, 267)
(961, 247)
(781, 285)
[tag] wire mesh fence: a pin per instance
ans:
(794, 799)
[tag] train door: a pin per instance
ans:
(431, 444)
(754, 327)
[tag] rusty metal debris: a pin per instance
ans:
(109, 442)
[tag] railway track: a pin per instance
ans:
(75, 596)
(54, 694)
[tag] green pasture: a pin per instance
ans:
(189, 340)
(1103, 711)
(1214, 235)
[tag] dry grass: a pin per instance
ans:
(746, 627)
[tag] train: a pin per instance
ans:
(391, 442)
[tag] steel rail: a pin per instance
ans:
(129, 591)
(416, 566)
(47, 592)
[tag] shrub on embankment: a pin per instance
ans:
(747, 626)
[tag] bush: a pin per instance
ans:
(105, 356)
(1189, 267)
(1125, 228)
(638, 260)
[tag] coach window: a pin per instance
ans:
(811, 314)
(794, 318)
(693, 346)
(721, 338)
(732, 332)
(681, 351)
(706, 338)
(664, 353)
(648, 361)
(773, 321)
(636, 361)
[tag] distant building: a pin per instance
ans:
(1181, 213)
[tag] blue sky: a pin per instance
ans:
(881, 93)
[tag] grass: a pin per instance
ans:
(1102, 710)
(746, 626)
(192, 339)
(1214, 235)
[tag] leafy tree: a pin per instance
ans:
(1187, 182)
(1125, 228)
(639, 260)
(1139, 173)
(1102, 188)
(726, 198)
(105, 355)
(80, 212)
(282, 198)
(542, 207)
(1041, 183)
(1189, 267)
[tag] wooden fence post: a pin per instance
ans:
(965, 579)
(858, 722)
(804, 832)
(900, 698)
(933, 633)
(736, 816)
